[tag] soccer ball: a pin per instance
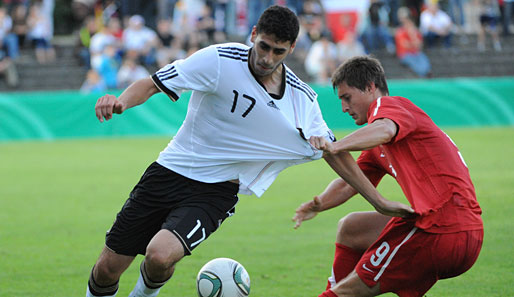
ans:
(223, 277)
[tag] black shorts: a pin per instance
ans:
(164, 199)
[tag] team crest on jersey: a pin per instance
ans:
(272, 104)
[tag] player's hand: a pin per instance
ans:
(106, 106)
(395, 209)
(321, 143)
(307, 211)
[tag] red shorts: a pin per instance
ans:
(408, 261)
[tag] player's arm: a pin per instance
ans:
(379, 132)
(137, 93)
(346, 167)
(336, 193)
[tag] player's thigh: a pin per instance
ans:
(359, 230)
(400, 260)
(165, 249)
(193, 224)
(455, 253)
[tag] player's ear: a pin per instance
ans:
(293, 45)
(253, 34)
(371, 87)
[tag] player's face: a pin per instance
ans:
(268, 53)
(355, 102)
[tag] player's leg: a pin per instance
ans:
(140, 218)
(352, 285)
(162, 253)
(185, 227)
(355, 233)
(103, 280)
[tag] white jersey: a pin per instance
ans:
(234, 129)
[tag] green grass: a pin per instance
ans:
(57, 199)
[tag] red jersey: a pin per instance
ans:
(400, 36)
(427, 165)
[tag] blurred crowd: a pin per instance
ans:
(120, 41)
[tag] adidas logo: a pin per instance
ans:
(272, 104)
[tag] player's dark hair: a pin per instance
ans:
(359, 72)
(279, 21)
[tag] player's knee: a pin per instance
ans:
(159, 259)
(347, 230)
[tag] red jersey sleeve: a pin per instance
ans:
(390, 108)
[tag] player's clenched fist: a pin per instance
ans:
(106, 106)
(321, 143)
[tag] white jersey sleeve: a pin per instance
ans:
(198, 72)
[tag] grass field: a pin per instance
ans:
(57, 199)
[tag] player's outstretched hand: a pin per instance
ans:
(307, 211)
(106, 106)
(321, 143)
(395, 209)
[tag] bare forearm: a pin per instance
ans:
(336, 193)
(346, 167)
(138, 92)
(370, 136)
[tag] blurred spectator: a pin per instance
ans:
(321, 59)
(19, 23)
(8, 70)
(436, 24)
(254, 9)
(110, 11)
(409, 43)
(455, 9)
(170, 46)
(349, 47)
(225, 16)
(86, 32)
(99, 41)
(376, 32)
(311, 25)
(145, 9)
(295, 5)
(93, 83)
(130, 72)
(414, 7)
(115, 28)
(141, 40)
(392, 8)
(8, 40)
(165, 9)
(205, 26)
(11, 4)
(41, 33)
(108, 67)
(508, 5)
(489, 18)
(81, 9)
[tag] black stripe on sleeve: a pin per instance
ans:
(301, 88)
(299, 82)
(173, 96)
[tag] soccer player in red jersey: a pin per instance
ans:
(405, 254)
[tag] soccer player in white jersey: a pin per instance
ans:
(249, 117)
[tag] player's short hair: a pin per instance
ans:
(279, 21)
(359, 72)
